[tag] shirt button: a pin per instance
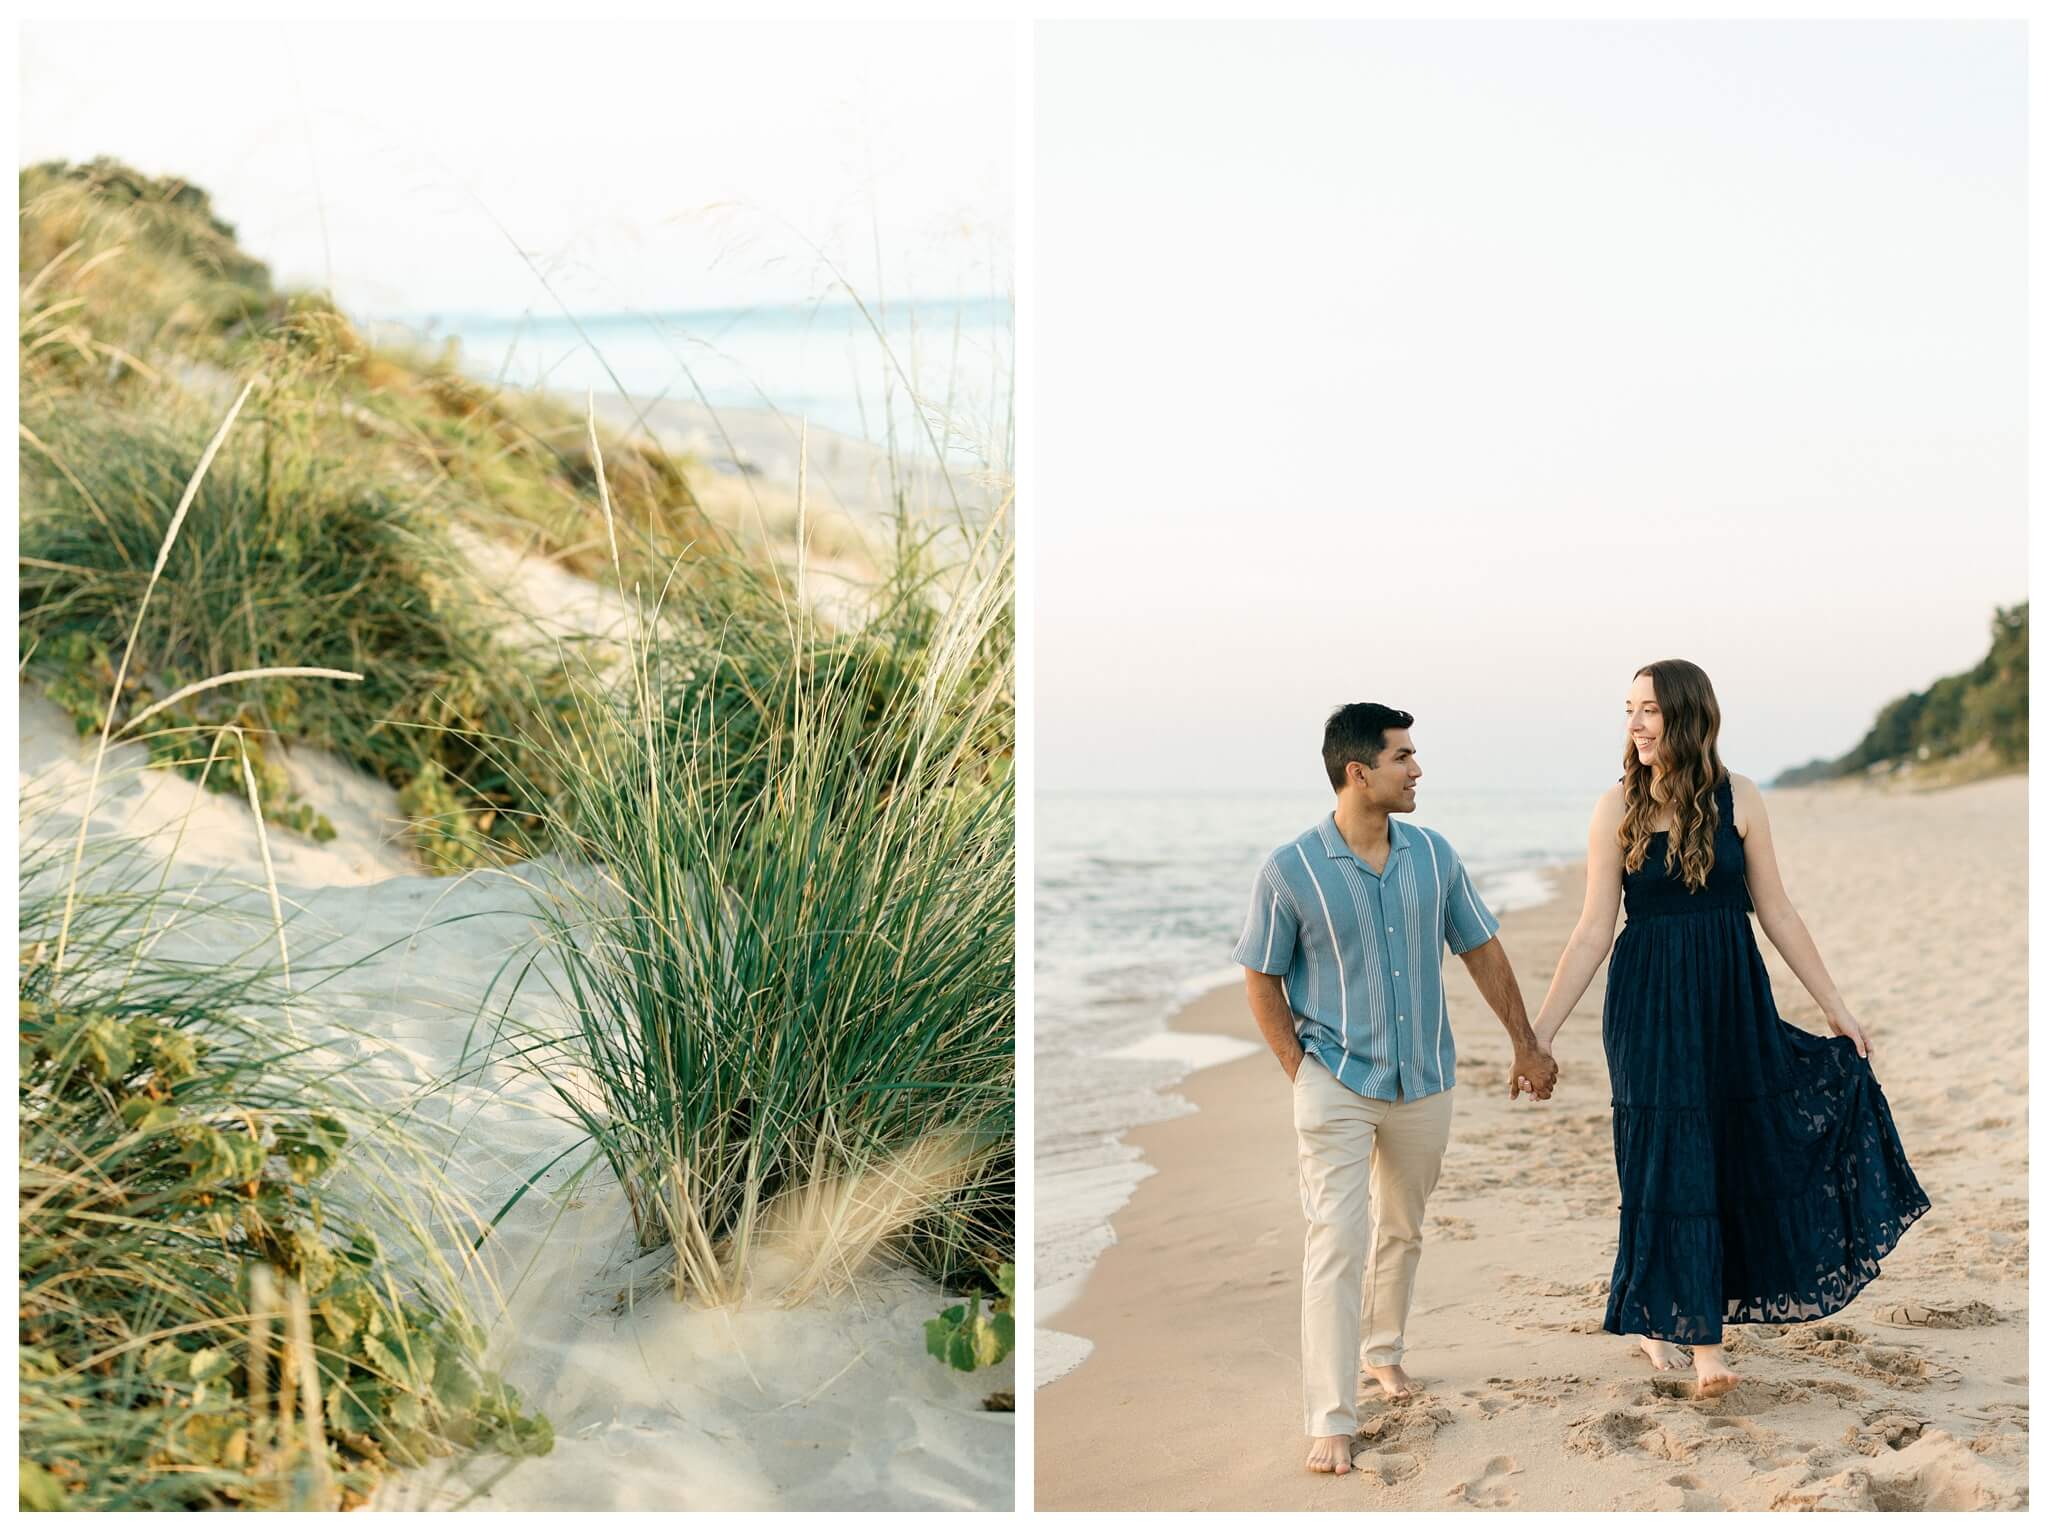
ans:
(1397, 972)
(1390, 930)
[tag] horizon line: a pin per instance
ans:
(728, 311)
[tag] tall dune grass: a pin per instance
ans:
(793, 993)
(287, 556)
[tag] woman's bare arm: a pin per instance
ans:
(1780, 921)
(1593, 936)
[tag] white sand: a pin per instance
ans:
(538, 604)
(853, 477)
(668, 1406)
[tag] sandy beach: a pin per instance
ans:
(1914, 1397)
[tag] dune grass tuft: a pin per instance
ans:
(794, 993)
(287, 557)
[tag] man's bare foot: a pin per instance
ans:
(1711, 1370)
(1663, 1355)
(1394, 1382)
(1329, 1454)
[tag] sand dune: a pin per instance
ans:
(655, 1404)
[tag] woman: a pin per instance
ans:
(1761, 1176)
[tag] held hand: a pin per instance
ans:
(1535, 1072)
(1844, 1025)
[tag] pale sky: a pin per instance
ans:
(643, 164)
(1468, 367)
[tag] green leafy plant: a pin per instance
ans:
(965, 1338)
(222, 1302)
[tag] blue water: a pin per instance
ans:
(942, 364)
(1139, 900)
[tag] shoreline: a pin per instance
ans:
(1192, 1311)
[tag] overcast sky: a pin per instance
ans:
(1468, 367)
(642, 164)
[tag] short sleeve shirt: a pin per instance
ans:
(1360, 953)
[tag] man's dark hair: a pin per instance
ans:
(1358, 731)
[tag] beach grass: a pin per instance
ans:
(793, 987)
(327, 532)
(288, 555)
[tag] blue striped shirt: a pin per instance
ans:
(1361, 953)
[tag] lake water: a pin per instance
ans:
(936, 372)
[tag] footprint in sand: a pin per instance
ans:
(1748, 1439)
(1393, 1444)
(1612, 1432)
(1489, 1404)
(1522, 1392)
(1885, 1430)
(1917, 1315)
(1685, 1492)
(1390, 1467)
(1820, 1331)
(1846, 1392)
(1750, 1395)
(1901, 1364)
(1935, 1472)
(1409, 1425)
(1845, 1490)
(1491, 1490)
(1852, 1351)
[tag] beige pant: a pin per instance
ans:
(1351, 1145)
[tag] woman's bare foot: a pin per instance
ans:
(1663, 1355)
(1711, 1369)
(1329, 1454)
(1394, 1382)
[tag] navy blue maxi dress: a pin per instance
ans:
(1761, 1176)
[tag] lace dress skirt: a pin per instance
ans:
(1761, 1176)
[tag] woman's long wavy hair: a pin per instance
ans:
(1692, 770)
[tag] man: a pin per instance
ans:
(1343, 958)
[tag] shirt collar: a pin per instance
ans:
(1335, 847)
